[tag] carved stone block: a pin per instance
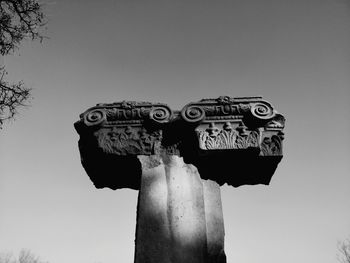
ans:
(230, 140)
(178, 160)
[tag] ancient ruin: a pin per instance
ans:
(178, 160)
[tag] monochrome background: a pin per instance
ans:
(296, 54)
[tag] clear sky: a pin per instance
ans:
(294, 53)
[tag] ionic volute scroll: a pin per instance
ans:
(126, 112)
(220, 131)
(127, 127)
(227, 107)
(231, 123)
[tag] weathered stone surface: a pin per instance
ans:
(179, 216)
(214, 220)
(178, 160)
(212, 134)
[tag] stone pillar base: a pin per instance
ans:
(179, 216)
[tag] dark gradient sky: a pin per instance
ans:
(294, 53)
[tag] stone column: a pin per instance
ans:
(179, 217)
(178, 160)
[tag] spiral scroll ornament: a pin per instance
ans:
(193, 113)
(160, 114)
(95, 117)
(262, 111)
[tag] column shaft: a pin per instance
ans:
(179, 218)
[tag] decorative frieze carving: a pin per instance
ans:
(126, 112)
(228, 107)
(272, 146)
(130, 127)
(215, 138)
(232, 123)
(208, 127)
(129, 140)
(127, 127)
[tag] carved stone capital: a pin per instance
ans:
(230, 140)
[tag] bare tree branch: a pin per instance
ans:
(19, 20)
(25, 256)
(7, 258)
(12, 96)
(344, 250)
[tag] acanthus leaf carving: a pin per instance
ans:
(244, 142)
(271, 146)
(214, 138)
(209, 134)
(129, 140)
(125, 121)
